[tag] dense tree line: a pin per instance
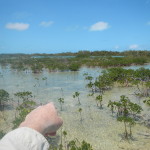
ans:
(83, 53)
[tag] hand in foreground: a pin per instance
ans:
(43, 119)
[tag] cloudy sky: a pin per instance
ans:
(53, 26)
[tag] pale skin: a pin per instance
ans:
(43, 119)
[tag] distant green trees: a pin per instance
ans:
(74, 67)
(83, 54)
(104, 53)
(22, 62)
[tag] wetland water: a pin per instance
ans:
(98, 126)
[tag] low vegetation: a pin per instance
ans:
(139, 78)
(126, 113)
(73, 61)
(4, 97)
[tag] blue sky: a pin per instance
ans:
(54, 26)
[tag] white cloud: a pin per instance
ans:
(99, 26)
(133, 46)
(17, 26)
(46, 24)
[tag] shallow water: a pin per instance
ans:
(98, 126)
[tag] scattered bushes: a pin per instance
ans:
(74, 66)
(4, 97)
(126, 113)
(37, 64)
(125, 110)
(26, 106)
(123, 77)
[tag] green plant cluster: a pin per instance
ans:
(26, 106)
(76, 95)
(99, 100)
(147, 101)
(24, 95)
(71, 144)
(4, 97)
(61, 101)
(123, 77)
(74, 145)
(126, 113)
(82, 53)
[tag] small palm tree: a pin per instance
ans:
(76, 94)
(99, 100)
(61, 101)
(111, 105)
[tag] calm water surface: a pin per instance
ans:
(98, 127)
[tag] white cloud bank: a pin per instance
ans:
(17, 26)
(46, 24)
(133, 46)
(99, 26)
